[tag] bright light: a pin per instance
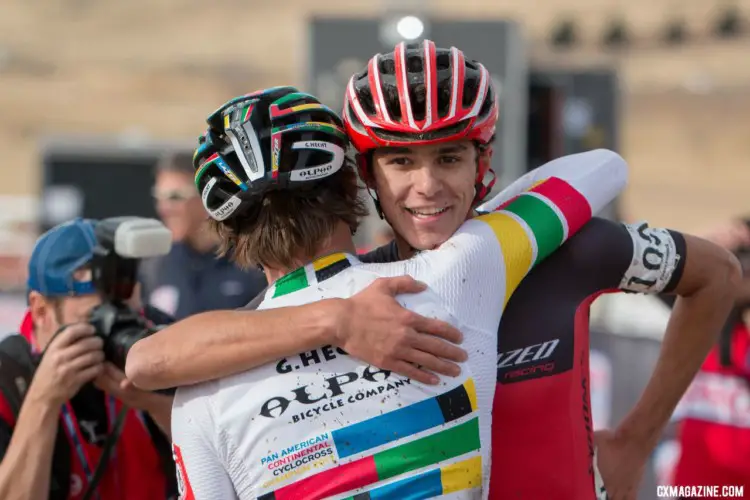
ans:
(410, 27)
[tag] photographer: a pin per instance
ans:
(80, 429)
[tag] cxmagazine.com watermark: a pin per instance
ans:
(700, 491)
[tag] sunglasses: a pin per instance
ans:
(174, 195)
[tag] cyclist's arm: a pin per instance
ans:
(706, 292)
(641, 259)
(215, 344)
(201, 473)
(26, 462)
(371, 326)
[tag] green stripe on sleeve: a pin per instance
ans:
(543, 221)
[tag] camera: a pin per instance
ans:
(121, 243)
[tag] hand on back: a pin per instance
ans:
(375, 328)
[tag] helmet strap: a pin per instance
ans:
(482, 188)
(364, 174)
(378, 209)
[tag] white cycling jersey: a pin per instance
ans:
(323, 424)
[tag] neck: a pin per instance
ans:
(202, 240)
(404, 249)
(340, 241)
(40, 339)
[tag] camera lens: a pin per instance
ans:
(119, 343)
(120, 327)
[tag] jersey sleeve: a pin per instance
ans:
(657, 260)
(583, 170)
(560, 197)
(201, 474)
(606, 255)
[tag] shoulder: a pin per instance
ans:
(600, 241)
(192, 409)
(256, 302)
(17, 366)
(194, 396)
(16, 357)
(15, 345)
(383, 254)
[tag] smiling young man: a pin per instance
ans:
(424, 143)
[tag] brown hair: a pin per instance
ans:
(287, 225)
(176, 161)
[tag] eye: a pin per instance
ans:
(449, 159)
(399, 160)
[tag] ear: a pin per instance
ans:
(365, 171)
(485, 156)
(39, 308)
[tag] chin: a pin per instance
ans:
(430, 240)
(178, 235)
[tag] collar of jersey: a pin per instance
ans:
(317, 271)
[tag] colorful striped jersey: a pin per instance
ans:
(322, 424)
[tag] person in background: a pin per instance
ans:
(191, 278)
(60, 400)
(713, 418)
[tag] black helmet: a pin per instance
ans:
(274, 139)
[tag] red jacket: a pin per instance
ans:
(714, 432)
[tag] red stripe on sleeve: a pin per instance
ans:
(574, 206)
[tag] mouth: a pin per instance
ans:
(427, 214)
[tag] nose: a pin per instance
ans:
(162, 206)
(166, 208)
(427, 182)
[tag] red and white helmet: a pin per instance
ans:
(419, 94)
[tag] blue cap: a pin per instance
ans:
(58, 254)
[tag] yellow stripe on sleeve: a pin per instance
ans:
(518, 251)
(471, 391)
(463, 475)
